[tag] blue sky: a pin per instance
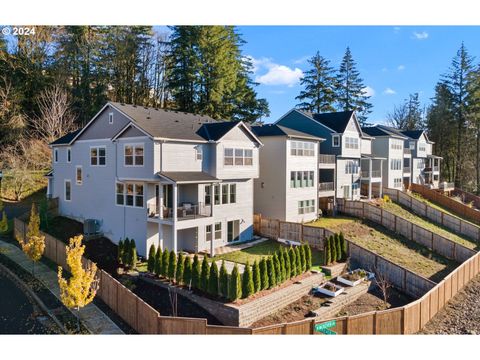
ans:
(393, 61)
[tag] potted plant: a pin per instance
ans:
(329, 289)
(354, 277)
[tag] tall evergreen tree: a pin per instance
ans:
(120, 252)
(165, 261)
(272, 276)
(223, 280)
(187, 271)
(204, 275)
(151, 259)
(158, 262)
(213, 279)
(196, 271)
(257, 282)
(180, 269)
(235, 285)
(247, 281)
(263, 273)
(172, 265)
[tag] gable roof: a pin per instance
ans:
(279, 130)
(337, 121)
(215, 131)
(379, 130)
(414, 134)
(66, 139)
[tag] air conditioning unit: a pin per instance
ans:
(91, 228)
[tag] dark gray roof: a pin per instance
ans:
(215, 131)
(188, 176)
(64, 140)
(390, 131)
(337, 121)
(375, 131)
(414, 134)
(279, 130)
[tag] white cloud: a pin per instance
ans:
(301, 60)
(420, 35)
(368, 91)
(389, 91)
(401, 67)
(269, 73)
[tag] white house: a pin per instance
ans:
(173, 179)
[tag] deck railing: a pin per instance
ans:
(326, 186)
(326, 159)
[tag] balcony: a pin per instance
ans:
(407, 170)
(436, 169)
(326, 186)
(328, 161)
(186, 211)
(366, 174)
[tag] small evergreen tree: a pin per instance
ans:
(180, 268)
(223, 280)
(283, 271)
(272, 280)
(343, 243)
(187, 271)
(172, 265)
(338, 245)
(120, 252)
(293, 262)
(299, 260)
(133, 258)
(308, 257)
(33, 227)
(204, 274)
(213, 279)
(328, 250)
(303, 258)
(158, 262)
(151, 259)
(333, 244)
(247, 282)
(234, 288)
(263, 274)
(165, 258)
(278, 270)
(126, 256)
(257, 282)
(288, 267)
(196, 272)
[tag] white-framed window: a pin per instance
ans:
(420, 163)
(110, 118)
(55, 155)
(302, 148)
(129, 194)
(233, 193)
(78, 175)
(421, 147)
(395, 164)
(98, 156)
(306, 206)
(199, 152)
(120, 193)
(396, 144)
(216, 194)
(208, 194)
(238, 157)
(228, 156)
(225, 197)
(68, 190)
(412, 145)
(133, 154)
(69, 155)
(248, 154)
(351, 167)
(351, 143)
(354, 189)
(218, 230)
(335, 140)
(208, 232)
(301, 179)
(397, 183)
(139, 195)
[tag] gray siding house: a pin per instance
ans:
(173, 179)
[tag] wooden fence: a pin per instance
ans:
(467, 197)
(441, 245)
(447, 202)
(419, 207)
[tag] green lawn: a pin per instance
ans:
(430, 225)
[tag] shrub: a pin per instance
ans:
(343, 243)
(179, 271)
(204, 274)
(333, 244)
(223, 280)
(4, 223)
(328, 250)
(308, 257)
(288, 268)
(133, 258)
(196, 272)
(187, 271)
(272, 280)
(338, 245)
(234, 288)
(283, 272)
(165, 259)
(33, 227)
(120, 252)
(126, 252)
(158, 262)
(299, 260)
(151, 259)
(263, 274)
(293, 262)
(247, 282)
(257, 282)
(303, 258)
(278, 270)
(43, 212)
(213, 279)
(172, 265)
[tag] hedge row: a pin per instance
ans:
(127, 253)
(335, 249)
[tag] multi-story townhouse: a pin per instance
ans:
(173, 179)
(288, 187)
(356, 170)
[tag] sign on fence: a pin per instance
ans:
(325, 327)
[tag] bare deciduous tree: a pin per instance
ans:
(12, 122)
(384, 285)
(56, 117)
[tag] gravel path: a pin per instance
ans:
(461, 315)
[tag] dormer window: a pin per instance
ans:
(110, 118)
(336, 140)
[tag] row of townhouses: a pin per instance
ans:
(190, 183)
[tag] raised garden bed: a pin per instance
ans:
(355, 277)
(329, 289)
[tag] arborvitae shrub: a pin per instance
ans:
(328, 250)
(204, 274)
(165, 258)
(338, 245)
(126, 252)
(158, 262)
(272, 280)
(187, 271)
(299, 260)
(223, 280)
(288, 267)
(278, 270)
(120, 252)
(263, 274)
(303, 258)
(247, 282)
(343, 242)
(213, 279)
(172, 265)
(235, 287)
(180, 268)
(151, 259)
(334, 248)
(283, 271)
(257, 282)
(133, 254)
(196, 272)
(293, 262)
(308, 257)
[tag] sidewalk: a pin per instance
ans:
(91, 316)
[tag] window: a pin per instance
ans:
(218, 231)
(98, 156)
(302, 148)
(120, 194)
(292, 179)
(412, 145)
(354, 189)
(216, 194)
(110, 118)
(300, 179)
(310, 178)
(133, 155)
(397, 183)
(208, 232)
(55, 155)
(351, 167)
(396, 144)
(238, 157)
(68, 190)
(306, 207)
(199, 152)
(395, 164)
(248, 157)
(69, 155)
(336, 140)
(421, 147)
(233, 193)
(420, 164)
(225, 197)
(228, 157)
(139, 195)
(351, 143)
(78, 175)
(233, 230)
(129, 195)
(208, 194)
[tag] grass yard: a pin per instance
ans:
(393, 247)
(430, 225)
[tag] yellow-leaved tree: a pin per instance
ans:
(34, 248)
(3, 217)
(80, 289)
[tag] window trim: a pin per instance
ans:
(110, 118)
(199, 151)
(69, 155)
(234, 193)
(134, 194)
(134, 147)
(337, 137)
(55, 155)
(98, 147)
(216, 231)
(234, 157)
(81, 175)
(65, 190)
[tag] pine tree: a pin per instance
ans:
(319, 85)
(126, 255)
(180, 269)
(257, 282)
(196, 272)
(272, 280)
(235, 285)
(351, 92)
(264, 274)
(293, 262)
(165, 258)
(213, 280)
(247, 282)
(172, 265)
(133, 258)
(333, 244)
(338, 246)
(308, 257)
(278, 269)
(158, 262)
(187, 272)
(151, 259)
(303, 258)
(223, 280)
(204, 274)
(299, 260)
(120, 252)
(288, 267)
(33, 227)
